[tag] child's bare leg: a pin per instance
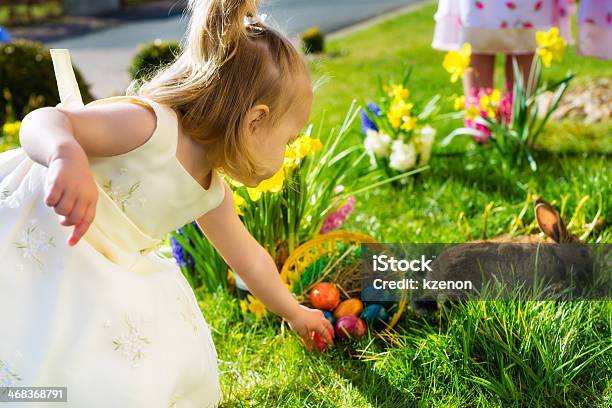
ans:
(524, 62)
(480, 74)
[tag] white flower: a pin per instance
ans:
(34, 241)
(377, 143)
(428, 132)
(131, 343)
(121, 197)
(403, 156)
(8, 377)
(424, 142)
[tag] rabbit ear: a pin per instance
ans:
(550, 221)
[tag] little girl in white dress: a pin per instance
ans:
(105, 315)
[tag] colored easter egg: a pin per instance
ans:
(329, 316)
(350, 327)
(349, 307)
(371, 296)
(325, 295)
(320, 344)
(375, 315)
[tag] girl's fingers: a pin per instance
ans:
(77, 213)
(82, 227)
(78, 232)
(308, 342)
(53, 196)
(66, 204)
(325, 332)
(90, 215)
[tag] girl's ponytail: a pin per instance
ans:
(215, 31)
(229, 62)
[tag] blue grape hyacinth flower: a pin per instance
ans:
(366, 122)
(182, 257)
(5, 36)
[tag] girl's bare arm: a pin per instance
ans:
(256, 267)
(63, 139)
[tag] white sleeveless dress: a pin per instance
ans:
(110, 319)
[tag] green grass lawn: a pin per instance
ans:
(484, 354)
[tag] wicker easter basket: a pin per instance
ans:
(337, 246)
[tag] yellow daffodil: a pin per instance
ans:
(294, 154)
(397, 92)
(239, 202)
(398, 111)
(244, 306)
(551, 46)
(472, 112)
(460, 102)
(254, 194)
(9, 133)
(11, 129)
(300, 148)
(496, 96)
(256, 307)
(489, 103)
(273, 185)
(456, 62)
(316, 145)
(231, 280)
(409, 123)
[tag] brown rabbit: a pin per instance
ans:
(557, 261)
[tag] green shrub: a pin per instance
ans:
(313, 40)
(152, 57)
(27, 80)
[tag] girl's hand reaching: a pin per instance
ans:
(306, 322)
(70, 137)
(71, 190)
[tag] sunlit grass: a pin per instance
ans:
(488, 354)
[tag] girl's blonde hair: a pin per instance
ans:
(230, 61)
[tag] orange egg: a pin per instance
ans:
(352, 307)
(325, 295)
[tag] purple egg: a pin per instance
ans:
(350, 327)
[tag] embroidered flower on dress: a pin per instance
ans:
(34, 241)
(131, 343)
(7, 377)
(121, 197)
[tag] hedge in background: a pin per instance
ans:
(27, 80)
(313, 40)
(151, 57)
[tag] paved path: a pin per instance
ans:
(104, 56)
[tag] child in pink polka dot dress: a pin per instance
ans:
(595, 21)
(496, 27)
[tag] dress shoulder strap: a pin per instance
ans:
(164, 140)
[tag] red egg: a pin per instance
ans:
(320, 344)
(349, 307)
(325, 295)
(350, 327)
